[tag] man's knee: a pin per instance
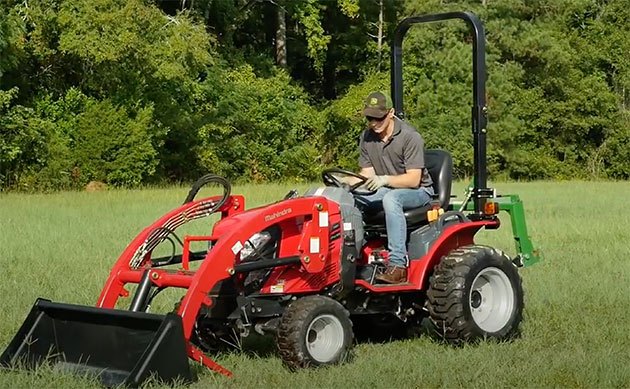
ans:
(425, 197)
(391, 202)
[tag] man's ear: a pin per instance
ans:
(391, 112)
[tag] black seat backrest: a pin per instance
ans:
(440, 166)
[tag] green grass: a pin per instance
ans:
(576, 330)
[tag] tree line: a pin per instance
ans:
(132, 92)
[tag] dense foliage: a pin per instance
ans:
(131, 92)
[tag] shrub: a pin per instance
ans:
(260, 129)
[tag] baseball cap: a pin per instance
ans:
(377, 105)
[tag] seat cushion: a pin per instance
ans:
(415, 218)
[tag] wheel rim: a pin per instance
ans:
(324, 338)
(491, 299)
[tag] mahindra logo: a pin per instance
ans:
(275, 215)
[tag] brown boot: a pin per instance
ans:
(393, 275)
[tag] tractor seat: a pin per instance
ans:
(440, 166)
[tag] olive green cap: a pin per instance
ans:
(377, 105)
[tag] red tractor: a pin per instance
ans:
(301, 269)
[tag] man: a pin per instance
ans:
(392, 157)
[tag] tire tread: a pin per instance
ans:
(289, 336)
(446, 297)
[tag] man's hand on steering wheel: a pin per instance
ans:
(350, 181)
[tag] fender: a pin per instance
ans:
(454, 236)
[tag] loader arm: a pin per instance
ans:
(138, 253)
(221, 262)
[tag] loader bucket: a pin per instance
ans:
(120, 347)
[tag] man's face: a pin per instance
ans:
(379, 125)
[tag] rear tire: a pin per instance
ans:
(314, 331)
(475, 293)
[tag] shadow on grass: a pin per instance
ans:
(259, 346)
(255, 346)
(388, 328)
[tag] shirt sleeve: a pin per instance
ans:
(414, 151)
(364, 159)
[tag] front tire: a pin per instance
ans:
(314, 331)
(475, 293)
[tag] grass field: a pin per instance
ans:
(576, 330)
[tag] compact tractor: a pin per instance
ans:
(301, 269)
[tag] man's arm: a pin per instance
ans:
(414, 162)
(410, 179)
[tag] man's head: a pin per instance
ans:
(379, 112)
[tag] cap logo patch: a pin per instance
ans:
(373, 101)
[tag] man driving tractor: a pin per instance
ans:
(392, 158)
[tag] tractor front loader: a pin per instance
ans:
(126, 347)
(301, 269)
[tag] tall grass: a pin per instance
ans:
(577, 315)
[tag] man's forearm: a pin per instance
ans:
(406, 180)
(410, 179)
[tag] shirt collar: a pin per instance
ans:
(397, 129)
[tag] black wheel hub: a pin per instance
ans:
(312, 336)
(475, 299)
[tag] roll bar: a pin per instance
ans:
(479, 109)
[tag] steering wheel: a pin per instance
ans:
(330, 180)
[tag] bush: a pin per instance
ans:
(24, 141)
(114, 147)
(260, 129)
(65, 143)
(614, 155)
